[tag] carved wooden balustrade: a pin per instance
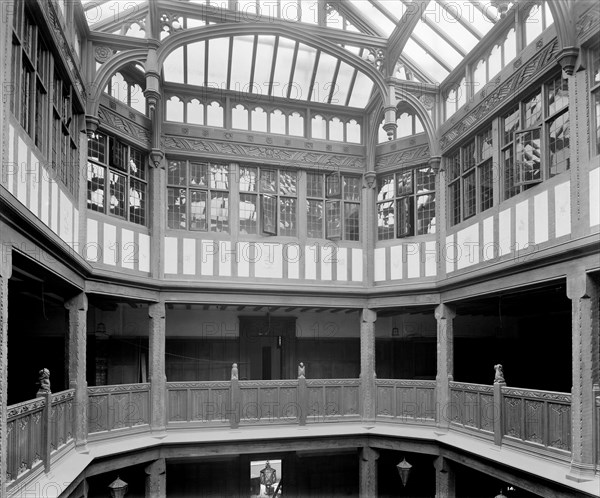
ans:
(537, 418)
(198, 403)
(119, 407)
(534, 421)
(406, 401)
(38, 429)
(471, 408)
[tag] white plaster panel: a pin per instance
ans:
(12, 170)
(75, 243)
(540, 217)
(243, 259)
(468, 241)
(171, 255)
(144, 252)
(357, 265)
(489, 247)
(54, 206)
(413, 259)
(189, 256)
(449, 253)
(128, 249)
(207, 255)
(522, 225)
(45, 205)
(342, 264)
(269, 260)
(595, 197)
(23, 171)
(66, 217)
(504, 229)
(379, 264)
(310, 262)
(328, 255)
(562, 209)
(396, 262)
(34, 187)
(109, 248)
(431, 259)
(292, 259)
(225, 258)
(91, 250)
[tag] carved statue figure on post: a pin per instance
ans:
(44, 382)
(301, 371)
(234, 372)
(499, 378)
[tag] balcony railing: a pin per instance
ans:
(406, 401)
(535, 421)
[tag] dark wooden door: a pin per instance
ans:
(267, 348)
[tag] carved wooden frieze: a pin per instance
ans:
(118, 122)
(496, 97)
(481, 388)
(25, 407)
(121, 388)
(404, 157)
(588, 24)
(197, 385)
(66, 51)
(548, 396)
(292, 157)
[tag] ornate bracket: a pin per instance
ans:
(567, 58)
(370, 178)
(156, 157)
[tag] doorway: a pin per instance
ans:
(267, 348)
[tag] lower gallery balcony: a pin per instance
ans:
(193, 399)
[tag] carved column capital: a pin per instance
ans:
(444, 312)
(91, 124)
(435, 163)
(567, 58)
(369, 315)
(156, 158)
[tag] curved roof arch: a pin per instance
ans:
(291, 32)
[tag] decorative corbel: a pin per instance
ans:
(435, 163)
(389, 124)
(567, 58)
(369, 178)
(156, 157)
(91, 124)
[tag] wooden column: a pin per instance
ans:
(367, 364)
(156, 479)
(445, 481)
(583, 292)
(77, 339)
(157, 377)
(444, 315)
(368, 472)
(5, 274)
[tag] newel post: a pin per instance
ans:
(234, 398)
(499, 382)
(45, 392)
(302, 395)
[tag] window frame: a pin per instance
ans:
(109, 166)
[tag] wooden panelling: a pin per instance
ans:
(472, 407)
(406, 401)
(330, 399)
(118, 407)
(203, 402)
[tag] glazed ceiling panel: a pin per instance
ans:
(446, 31)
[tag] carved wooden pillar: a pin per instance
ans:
(5, 274)
(367, 469)
(77, 339)
(445, 482)
(583, 292)
(367, 364)
(158, 379)
(444, 314)
(156, 479)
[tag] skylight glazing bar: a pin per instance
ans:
(229, 59)
(334, 81)
(293, 70)
(432, 53)
(448, 39)
(314, 75)
(385, 11)
(468, 26)
(253, 66)
(351, 87)
(273, 64)
(484, 11)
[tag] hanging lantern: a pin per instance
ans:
(404, 470)
(117, 488)
(268, 477)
